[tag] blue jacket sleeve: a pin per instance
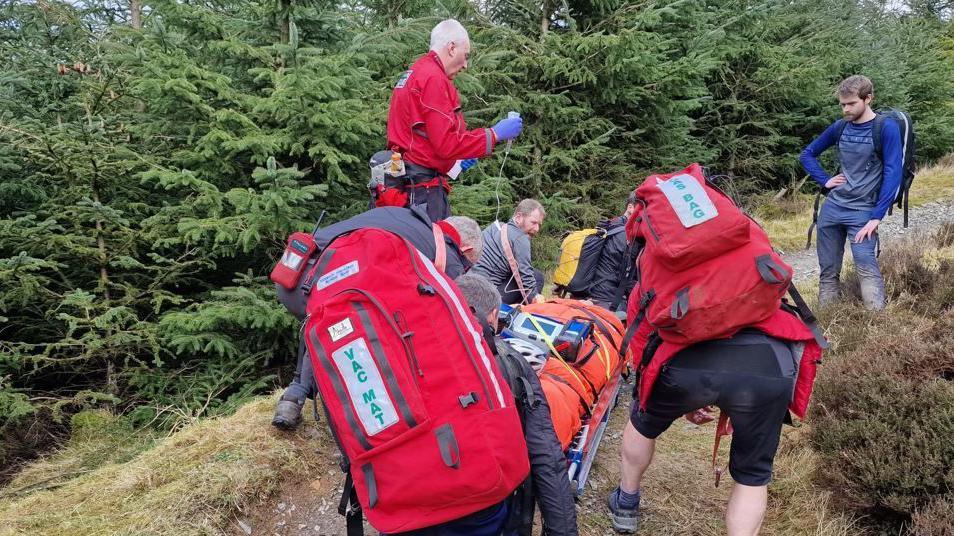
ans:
(809, 157)
(891, 155)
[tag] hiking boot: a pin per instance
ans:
(287, 415)
(624, 520)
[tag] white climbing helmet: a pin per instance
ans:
(533, 354)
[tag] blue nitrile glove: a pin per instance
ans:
(508, 129)
(467, 164)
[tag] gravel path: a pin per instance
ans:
(923, 219)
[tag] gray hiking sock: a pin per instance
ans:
(627, 501)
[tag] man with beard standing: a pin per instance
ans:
(860, 194)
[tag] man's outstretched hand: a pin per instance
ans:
(867, 232)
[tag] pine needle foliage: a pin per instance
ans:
(149, 175)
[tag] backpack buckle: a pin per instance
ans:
(468, 399)
(426, 290)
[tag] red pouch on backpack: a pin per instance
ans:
(711, 278)
(389, 196)
(413, 393)
(294, 260)
(686, 220)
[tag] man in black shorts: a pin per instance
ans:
(750, 377)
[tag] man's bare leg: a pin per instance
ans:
(743, 517)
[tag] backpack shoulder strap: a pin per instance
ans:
(615, 230)
(633, 249)
(840, 129)
(876, 129)
(512, 261)
(440, 248)
(516, 372)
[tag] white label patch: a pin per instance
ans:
(403, 80)
(338, 274)
(365, 387)
(292, 259)
(688, 198)
(341, 330)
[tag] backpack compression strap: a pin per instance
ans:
(512, 261)
(634, 323)
(807, 316)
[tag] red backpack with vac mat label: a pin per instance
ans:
(413, 394)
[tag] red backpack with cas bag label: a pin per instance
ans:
(707, 270)
(413, 394)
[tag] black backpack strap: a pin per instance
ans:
(522, 506)
(811, 228)
(904, 200)
(348, 506)
(652, 344)
(807, 316)
(629, 273)
(515, 370)
(840, 129)
(876, 129)
(634, 323)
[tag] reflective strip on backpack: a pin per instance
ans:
(462, 313)
(904, 140)
(348, 409)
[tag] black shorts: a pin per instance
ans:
(750, 377)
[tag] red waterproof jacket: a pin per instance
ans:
(425, 122)
(781, 325)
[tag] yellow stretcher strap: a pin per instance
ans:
(556, 354)
(604, 354)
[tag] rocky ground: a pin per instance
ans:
(925, 219)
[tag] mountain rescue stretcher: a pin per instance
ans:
(586, 442)
(574, 348)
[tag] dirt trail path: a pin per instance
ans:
(924, 219)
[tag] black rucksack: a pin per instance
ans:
(908, 137)
(908, 147)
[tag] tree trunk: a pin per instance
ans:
(545, 20)
(135, 13)
(286, 18)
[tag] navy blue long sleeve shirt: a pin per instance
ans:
(871, 184)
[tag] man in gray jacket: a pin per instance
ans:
(508, 265)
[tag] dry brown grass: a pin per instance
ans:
(934, 182)
(679, 496)
(193, 482)
(786, 221)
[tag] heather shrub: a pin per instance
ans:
(883, 415)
